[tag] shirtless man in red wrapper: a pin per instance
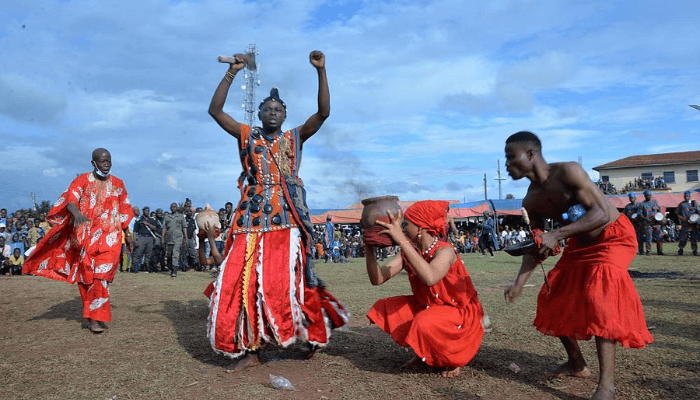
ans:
(590, 291)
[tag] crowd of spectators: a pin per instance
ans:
(638, 184)
(606, 187)
(645, 184)
(20, 232)
(467, 241)
(346, 243)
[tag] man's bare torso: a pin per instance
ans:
(553, 197)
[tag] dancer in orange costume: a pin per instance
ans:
(590, 292)
(83, 246)
(442, 320)
(266, 291)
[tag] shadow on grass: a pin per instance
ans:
(666, 328)
(372, 350)
(71, 310)
(190, 324)
(369, 349)
(673, 305)
(660, 275)
(672, 389)
(688, 365)
(495, 361)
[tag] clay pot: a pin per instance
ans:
(210, 216)
(376, 207)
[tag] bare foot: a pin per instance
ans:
(450, 373)
(413, 364)
(567, 369)
(248, 360)
(604, 394)
(313, 349)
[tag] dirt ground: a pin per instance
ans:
(156, 347)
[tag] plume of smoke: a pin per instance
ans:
(172, 182)
(360, 190)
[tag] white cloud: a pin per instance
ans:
(54, 172)
(423, 94)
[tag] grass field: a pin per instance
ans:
(156, 348)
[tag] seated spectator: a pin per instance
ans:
(15, 262)
(335, 251)
(44, 224)
(475, 243)
(16, 243)
(4, 233)
(522, 234)
(36, 232)
(5, 254)
(319, 250)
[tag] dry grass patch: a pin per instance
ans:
(156, 348)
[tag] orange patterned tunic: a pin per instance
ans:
(91, 250)
(262, 207)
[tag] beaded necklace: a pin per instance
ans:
(427, 251)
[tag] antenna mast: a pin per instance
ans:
(251, 76)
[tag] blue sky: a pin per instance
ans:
(423, 93)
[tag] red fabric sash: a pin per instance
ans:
(539, 258)
(372, 236)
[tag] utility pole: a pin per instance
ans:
(486, 193)
(499, 179)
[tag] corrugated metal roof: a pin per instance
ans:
(682, 157)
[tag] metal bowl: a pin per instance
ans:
(522, 248)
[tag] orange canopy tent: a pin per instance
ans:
(665, 199)
(352, 214)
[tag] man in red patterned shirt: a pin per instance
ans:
(83, 246)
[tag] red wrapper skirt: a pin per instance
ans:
(592, 293)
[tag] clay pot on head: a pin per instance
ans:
(376, 207)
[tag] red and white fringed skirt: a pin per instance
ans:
(260, 297)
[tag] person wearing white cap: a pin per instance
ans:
(4, 232)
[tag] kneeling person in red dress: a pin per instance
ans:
(590, 292)
(442, 320)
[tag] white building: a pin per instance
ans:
(678, 170)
